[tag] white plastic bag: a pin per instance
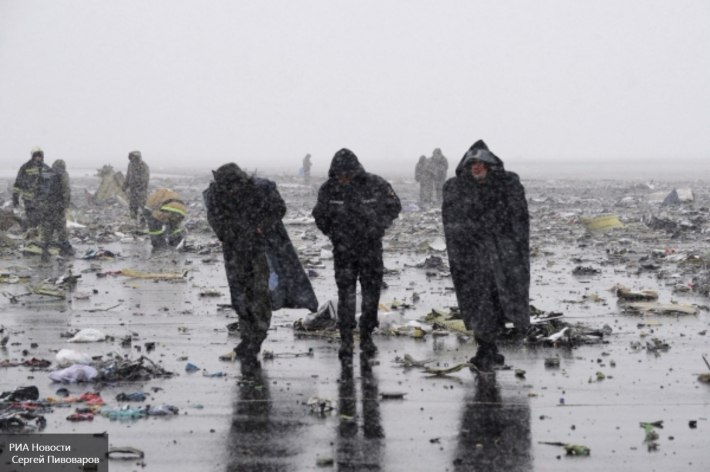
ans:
(74, 373)
(67, 357)
(88, 335)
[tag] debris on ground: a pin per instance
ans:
(570, 449)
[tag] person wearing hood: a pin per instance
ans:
(307, 169)
(440, 165)
(262, 266)
(136, 183)
(424, 175)
(354, 209)
(486, 225)
(27, 186)
(55, 199)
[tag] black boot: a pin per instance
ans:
(367, 346)
(66, 249)
(487, 355)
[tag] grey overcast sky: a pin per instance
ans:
(262, 83)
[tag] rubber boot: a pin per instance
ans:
(487, 355)
(367, 346)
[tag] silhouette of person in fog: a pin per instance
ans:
(495, 434)
(357, 452)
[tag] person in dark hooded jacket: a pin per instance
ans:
(262, 266)
(424, 174)
(55, 201)
(28, 187)
(354, 208)
(486, 224)
(136, 184)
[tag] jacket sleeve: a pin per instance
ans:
(20, 184)
(145, 176)
(321, 213)
(391, 204)
(214, 217)
(66, 189)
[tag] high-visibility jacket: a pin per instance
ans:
(28, 180)
(165, 205)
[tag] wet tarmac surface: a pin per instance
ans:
(261, 419)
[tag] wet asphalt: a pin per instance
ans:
(261, 420)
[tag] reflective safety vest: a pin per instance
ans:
(165, 205)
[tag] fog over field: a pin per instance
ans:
(195, 84)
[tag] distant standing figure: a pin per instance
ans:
(55, 203)
(27, 186)
(165, 211)
(307, 169)
(262, 266)
(354, 209)
(486, 224)
(440, 165)
(136, 183)
(424, 174)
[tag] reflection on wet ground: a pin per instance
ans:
(494, 433)
(360, 436)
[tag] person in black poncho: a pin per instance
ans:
(486, 224)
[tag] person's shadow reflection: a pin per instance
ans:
(257, 440)
(356, 452)
(495, 433)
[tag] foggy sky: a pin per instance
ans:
(262, 83)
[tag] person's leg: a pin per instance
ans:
(134, 207)
(485, 323)
(33, 214)
(371, 274)
(46, 230)
(250, 277)
(345, 279)
(175, 233)
(260, 301)
(65, 247)
(156, 231)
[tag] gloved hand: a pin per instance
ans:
(15, 200)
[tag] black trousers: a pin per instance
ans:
(364, 264)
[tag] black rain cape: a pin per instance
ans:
(486, 226)
(289, 286)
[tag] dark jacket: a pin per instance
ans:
(354, 214)
(487, 237)
(58, 193)
(137, 177)
(236, 206)
(440, 166)
(423, 172)
(28, 181)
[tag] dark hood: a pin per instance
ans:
(479, 151)
(345, 162)
(59, 166)
(230, 174)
